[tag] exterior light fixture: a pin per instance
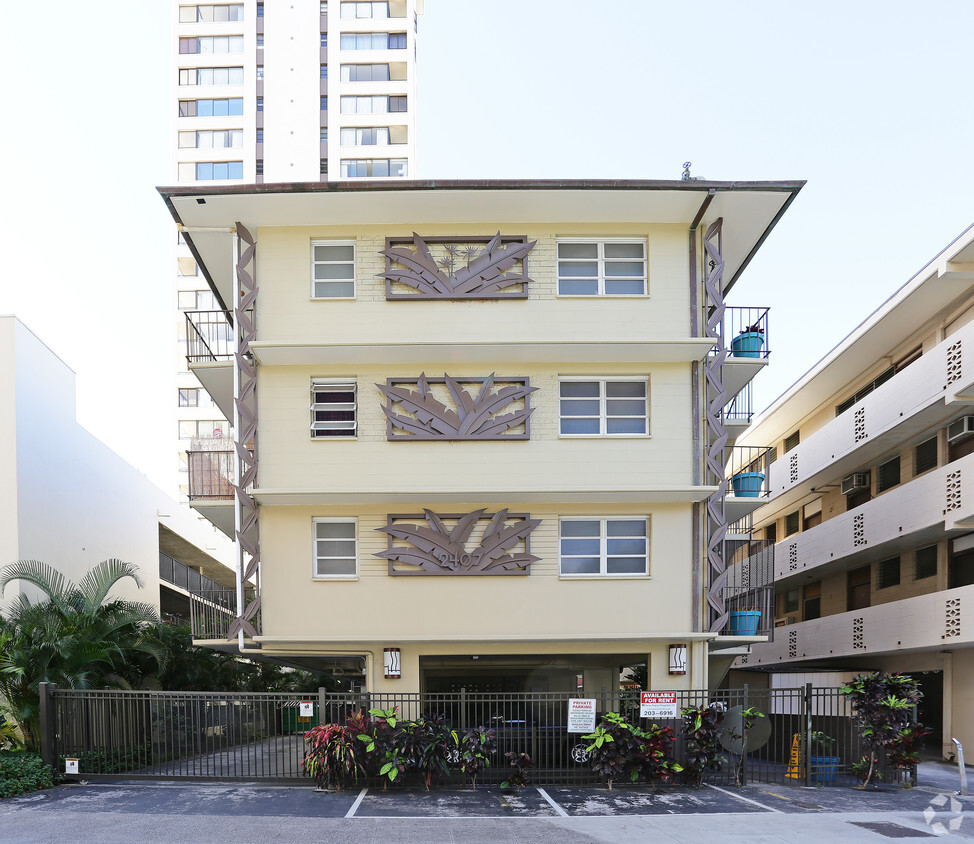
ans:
(392, 663)
(678, 659)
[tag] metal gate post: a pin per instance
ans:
(807, 743)
(47, 712)
(321, 706)
(744, 719)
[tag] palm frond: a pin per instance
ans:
(100, 579)
(46, 578)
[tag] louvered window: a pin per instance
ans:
(889, 474)
(925, 456)
(889, 572)
(926, 562)
(333, 409)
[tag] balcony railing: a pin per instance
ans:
(941, 496)
(210, 475)
(209, 336)
(927, 622)
(213, 610)
(174, 572)
(741, 409)
(921, 395)
(750, 587)
(746, 332)
(749, 471)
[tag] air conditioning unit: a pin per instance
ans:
(961, 429)
(855, 482)
(784, 621)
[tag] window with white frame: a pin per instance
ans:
(189, 397)
(333, 270)
(212, 139)
(601, 267)
(357, 136)
(365, 73)
(335, 547)
(205, 429)
(211, 13)
(360, 168)
(230, 107)
(604, 407)
(333, 409)
(365, 10)
(206, 45)
(373, 41)
(610, 546)
(197, 300)
(379, 104)
(211, 76)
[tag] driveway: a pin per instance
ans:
(219, 812)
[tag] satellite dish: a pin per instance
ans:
(732, 727)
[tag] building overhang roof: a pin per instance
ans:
(925, 296)
(749, 210)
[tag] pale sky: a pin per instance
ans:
(867, 101)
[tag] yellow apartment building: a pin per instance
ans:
(481, 428)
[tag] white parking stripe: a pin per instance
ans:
(354, 807)
(745, 799)
(554, 805)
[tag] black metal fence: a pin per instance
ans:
(260, 736)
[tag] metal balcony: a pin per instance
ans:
(210, 475)
(213, 610)
(746, 332)
(746, 345)
(180, 575)
(209, 336)
(737, 414)
(749, 480)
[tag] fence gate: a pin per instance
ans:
(171, 735)
(260, 736)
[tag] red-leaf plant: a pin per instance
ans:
(334, 756)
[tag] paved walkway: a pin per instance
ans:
(181, 811)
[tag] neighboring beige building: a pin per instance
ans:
(69, 501)
(871, 513)
(482, 426)
(288, 92)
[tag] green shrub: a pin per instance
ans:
(621, 751)
(22, 772)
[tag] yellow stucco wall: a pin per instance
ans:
(291, 459)
(539, 605)
(286, 311)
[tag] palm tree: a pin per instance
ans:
(77, 637)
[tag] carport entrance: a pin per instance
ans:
(528, 674)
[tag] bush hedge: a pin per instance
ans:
(22, 772)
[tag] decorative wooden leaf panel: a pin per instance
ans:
(477, 543)
(444, 409)
(457, 267)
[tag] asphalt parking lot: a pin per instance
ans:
(170, 811)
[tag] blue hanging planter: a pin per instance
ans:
(747, 484)
(748, 344)
(744, 622)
